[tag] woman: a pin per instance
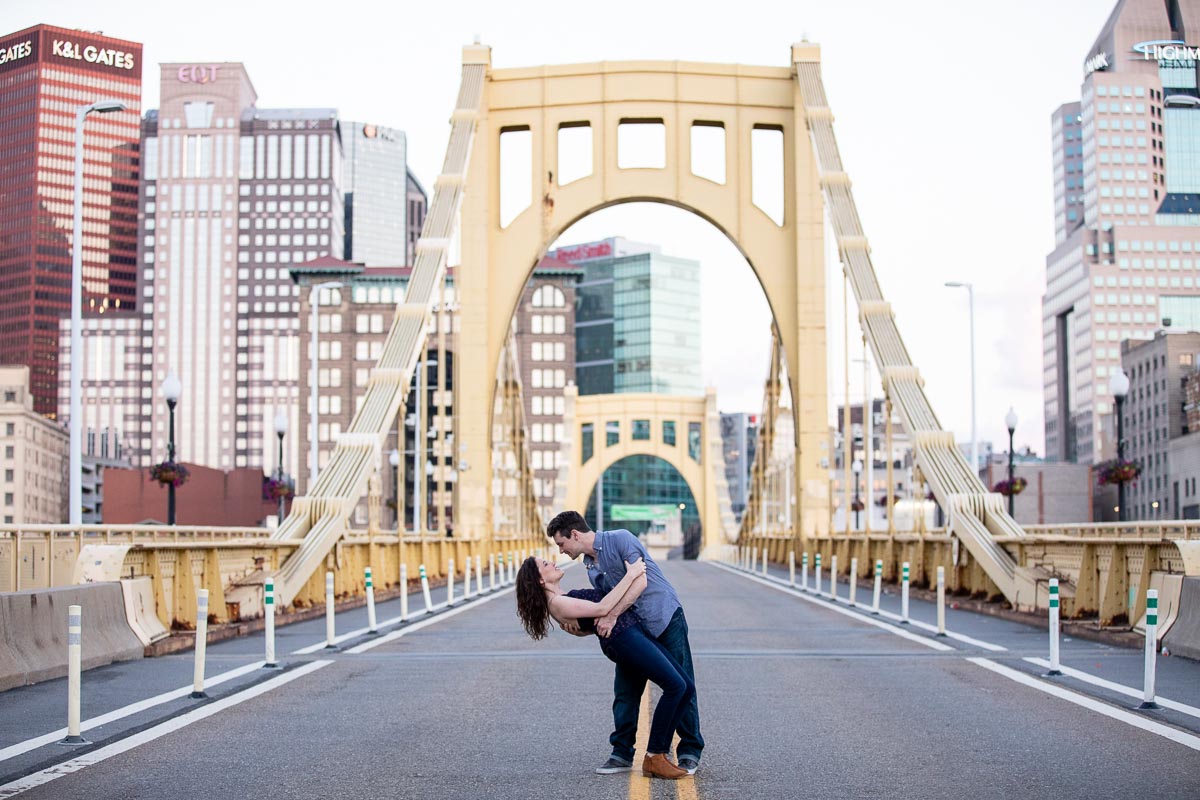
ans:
(540, 597)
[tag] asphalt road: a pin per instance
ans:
(797, 700)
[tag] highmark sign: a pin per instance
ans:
(1167, 50)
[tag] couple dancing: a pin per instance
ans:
(637, 617)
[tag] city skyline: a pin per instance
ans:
(1011, 188)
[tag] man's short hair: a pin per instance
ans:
(564, 523)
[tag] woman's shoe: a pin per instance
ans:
(659, 766)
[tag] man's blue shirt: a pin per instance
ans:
(615, 549)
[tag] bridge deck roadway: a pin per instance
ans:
(797, 700)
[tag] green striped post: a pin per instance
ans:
(904, 593)
(804, 571)
(425, 590)
(269, 622)
(1151, 648)
(1055, 669)
(371, 627)
(817, 571)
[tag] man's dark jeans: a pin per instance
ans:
(627, 698)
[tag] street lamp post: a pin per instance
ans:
(171, 389)
(281, 426)
(971, 310)
(75, 514)
(1010, 419)
(394, 460)
(858, 466)
(1118, 384)
(313, 297)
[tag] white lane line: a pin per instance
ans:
(1119, 714)
(425, 623)
(354, 634)
(150, 734)
(903, 634)
(120, 713)
(961, 637)
(1117, 687)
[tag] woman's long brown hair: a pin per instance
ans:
(532, 606)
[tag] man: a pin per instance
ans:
(605, 554)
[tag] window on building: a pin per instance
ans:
(612, 433)
(668, 431)
(587, 442)
(641, 430)
(694, 441)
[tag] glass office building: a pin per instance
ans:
(375, 180)
(637, 329)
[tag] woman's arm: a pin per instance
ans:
(605, 624)
(563, 607)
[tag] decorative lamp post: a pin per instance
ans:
(171, 389)
(971, 310)
(75, 481)
(1010, 419)
(1118, 384)
(394, 460)
(858, 466)
(281, 426)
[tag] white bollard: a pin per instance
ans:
(425, 591)
(1054, 665)
(478, 574)
(371, 626)
(492, 571)
(512, 567)
(269, 622)
(450, 583)
(878, 581)
(329, 622)
(853, 579)
(817, 571)
(765, 562)
(941, 601)
(201, 643)
(791, 568)
(403, 592)
(74, 660)
(804, 572)
(754, 559)
(833, 576)
(904, 593)
(1151, 648)
(467, 580)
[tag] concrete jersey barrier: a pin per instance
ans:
(33, 631)
(1184, 637)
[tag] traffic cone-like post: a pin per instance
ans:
(754, 559)
(330, 624)
(512, 568)
(904, 593)
(201, 642)
(1055, 667)
(791, 568)
(941, 601)
(878, 582)
(371, 626)
(74, 673)
(425, 591)
(467, 579)
(804, 572)
(478, 574)
(1151, 648)
(269, 622)
(403, 592)
(450, 583)
(492, 571)
(817, 571)
(765, 562)
(853, 579)
(833, 576)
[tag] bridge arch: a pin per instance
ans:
(787, 257)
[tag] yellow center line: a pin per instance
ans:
(639, 787)
(685, 787)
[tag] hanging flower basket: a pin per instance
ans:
(1010, 488)
(1119, 471)
(278, 488)
(170, 473)
(884, 501)
(391, 504)
(857, 505)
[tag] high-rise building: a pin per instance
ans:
(33, 456)
(1155, 414)
(231, 197)
(1127, 215)
(739, 436)
(637, 329)
(46, 75)
(375, 181)
(418, 203)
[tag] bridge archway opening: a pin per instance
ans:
(646, 480)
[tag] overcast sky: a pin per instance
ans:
(942, 113)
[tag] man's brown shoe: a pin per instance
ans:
(659, 766)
